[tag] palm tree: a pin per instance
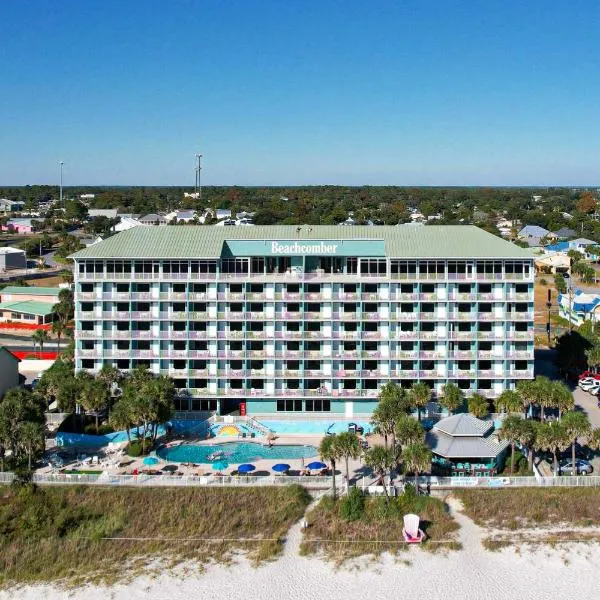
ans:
(385, 415)
(31, 439)
(329, 452)
(561, 397)
(381, 460)
(452, 398)
(93, 396)
(347, 446)
(577, 425)
(552, 437)
(543, 391)
(40, 337)
(509, 401)
(526, 439)
(58, 329)
(409, 431)
(420, 395)
(511, 432)
(594, 439)
(526, 391)
(478, 406)
(416, 458)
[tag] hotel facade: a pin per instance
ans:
(286, 319)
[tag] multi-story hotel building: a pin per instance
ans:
(306, 319)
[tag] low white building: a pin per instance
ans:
(9, 371)
(579, 307)
(12, 258)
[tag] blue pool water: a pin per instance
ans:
(317, 427)
(234, 452)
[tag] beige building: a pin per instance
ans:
(33, 305)
(9, 371)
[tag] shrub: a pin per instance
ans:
(134, 449)
(352, 506)
(543, 281)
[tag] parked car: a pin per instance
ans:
(593, 388)
(565, 467)
(585, 384)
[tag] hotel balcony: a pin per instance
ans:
(288, 335)
(523, 297)
(462, 297)
(288, 296)
(430, 296)
(372, 316)
(429, 335)
(464, 354)
(198, 372)
(232, 373)
(461, 335)
(348, 296)
(347, 373)
(519, 316)
(370, 296)
(487, 373)
(314, 316)
(520, 335)
(430, 316)
(87, 296)
(431, 355)
(256, 296)
(231, 353)
(88, 333)
(520, 354)
(520, 373)
(296, 354)
(348, 354)
(429, 374)
(480, 354)
(404, 316)
(199, 335)
(90, 352)
(400, 297)
(405, 355)
(289, 316)
(462, 374)
(232, 316)
(406, 335)
(462, 316)
(404, 373)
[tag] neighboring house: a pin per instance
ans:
(153, 219)
(579, 307)
(33, 305)
(186, 215)
(12, 258)
(9, 371)
(533, 231)
(463, 445)
(222, 213)
(109, 213)
(564, 233)
(556, 262)
(87, 196)
(126, 223)
(348, 221)
(18, 226)
(7, 205)
(87, 242)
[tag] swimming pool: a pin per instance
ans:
(316, 427)
(234, 452)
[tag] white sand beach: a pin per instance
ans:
(566, 572)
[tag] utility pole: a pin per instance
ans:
(199, 171)
(61, 183)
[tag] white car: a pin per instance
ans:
(592, 389)
(584, 384)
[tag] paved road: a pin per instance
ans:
(589, 404)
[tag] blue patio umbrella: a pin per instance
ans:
(313, 466)
(220, 465)
(246, 468)
(150, 461)
(280, 468)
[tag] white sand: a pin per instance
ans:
(470, 574)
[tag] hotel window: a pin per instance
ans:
(199, 404)
(373, 266)
(351, 268)
(318, 405)
(203, 266)
(234, 265)
(491, 268)
(87, 363)
(289, 405)
(86, 288)
(457, 270)
(257, 264)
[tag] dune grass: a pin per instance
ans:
(522, 508)
(59, 534)
(378, 530)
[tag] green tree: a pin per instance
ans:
(416, 458)
(560, 283)
(420, 395)
(561, 397)
(348, 447)
(329, 452)
(593, 357)
(576, 425)
(381, 460)
(65, 306)
(509, 401)
(392, 404)
(511, 432)
(93, 394)
(478, 406)
(58, 329)
(40, 337)
(121, 417)
(554, 438)
(452, 397)
(409, 431)
(31, 440)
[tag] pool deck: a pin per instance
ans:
(121, 464)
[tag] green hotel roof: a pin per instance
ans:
(30, 307)
(30, 290)
(196, 241)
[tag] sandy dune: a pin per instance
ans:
(471, 574)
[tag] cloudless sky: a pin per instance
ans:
(405, 92)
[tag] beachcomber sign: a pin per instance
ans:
(303, 248)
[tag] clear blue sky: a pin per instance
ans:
(406, 92)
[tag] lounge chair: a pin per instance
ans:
(411, 531)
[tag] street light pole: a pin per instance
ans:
(199, 157)
(61, 183)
